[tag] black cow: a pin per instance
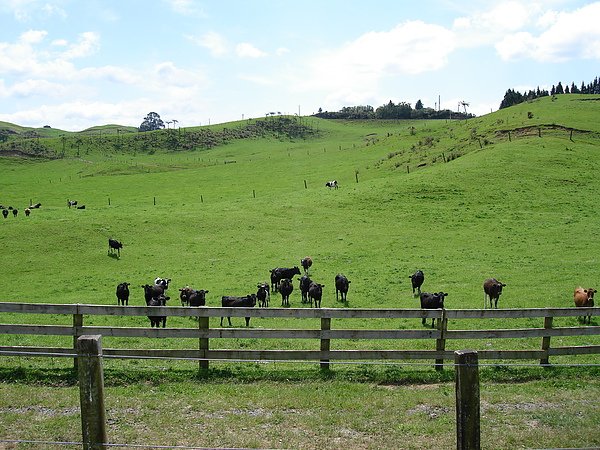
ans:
(285, 289)
(306, 262)
(5, 213)
(113, 245)
(315, 292)
(152, 291)
(27, 212)
(228, 301)
(492, 288)
(332, 184)
(192, 297)
(123, 294)
(432, 301)
(15, 212)
(304, 285)
(80, 207)
(263, 295)
(161, 300)
(280, 273)
(36, 206)
(417, 279)
(341, 286)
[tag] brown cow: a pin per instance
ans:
(492, 288)
(584, 298)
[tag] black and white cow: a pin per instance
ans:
(160, 300)
(113, 245)
(332, 184)
(163, 282)
(263, 295)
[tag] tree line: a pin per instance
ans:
(513, 97)
(391, 110)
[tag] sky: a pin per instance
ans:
(74, 64)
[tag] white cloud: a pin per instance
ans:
(246, 50)
(256, 79)
(33, 36)
(570, 35)
(88, 43)
(282, 51)
(187, 8)
(214, 42)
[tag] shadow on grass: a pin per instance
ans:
(388, 375)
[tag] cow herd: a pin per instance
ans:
(8, 210)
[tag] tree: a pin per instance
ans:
(152, 122)
(419, 104)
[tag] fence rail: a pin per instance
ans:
(324, 333)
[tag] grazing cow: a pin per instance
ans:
(27, 212)
(263, 295)
(15, 212)
(332, 184)
(71, 203)
(36, 206)
(280, 273)
(113, 245)
(5, 213)
(416, 280)
(123, 294)
(584, 298)
(285, 289)
(161, 300)
(341, 286)
(306, 263)
(163, 282)
(432, 301)
(228, 301)
(80, 207)
(315, 292)
(492, 288)
(304, 286)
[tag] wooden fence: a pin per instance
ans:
(324, 334)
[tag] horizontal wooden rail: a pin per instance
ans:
(333, 324)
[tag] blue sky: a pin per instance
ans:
(72, 64)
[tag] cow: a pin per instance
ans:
(263, 295)
(432, 301)
(280, 273)
(315, 292)
(71, 203)
(27, 212)
(160, 300)
(163, 282)
(123, 294)
(192, 297)
(35, 206)
(304, 285)
(416, 280)
(492, 288)
(332, 184)
(80, 207)
(15, 212)
(113, 245)
(285, 289)
(152, 291)
(341, 286)
(306, 262)
(228, 301)
(584, 298)
(5, 213)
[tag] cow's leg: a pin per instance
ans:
(247, 321)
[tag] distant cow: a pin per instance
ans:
(280, 273)
(416, 280)
(27, 212)
(113, 245)
(285, 289)
(263, 295)
(161, 300)
(35, 206)
(432, 301)
(192, 297)
(304, 286)
(248, 301)
(306, 263)
(341, 286)
(315, 292)
(71, 203)
(332, 184)
(492, 288)
(584, 298)
(15, 212)
(80, 207)
(123, 294)
(5, 213)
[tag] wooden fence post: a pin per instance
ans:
(546, 341)
(467, 400)
(77, 324)
(91, 392)
(325, 343)
(440, 344)
(203, 343)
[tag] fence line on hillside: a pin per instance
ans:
(323, 334)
